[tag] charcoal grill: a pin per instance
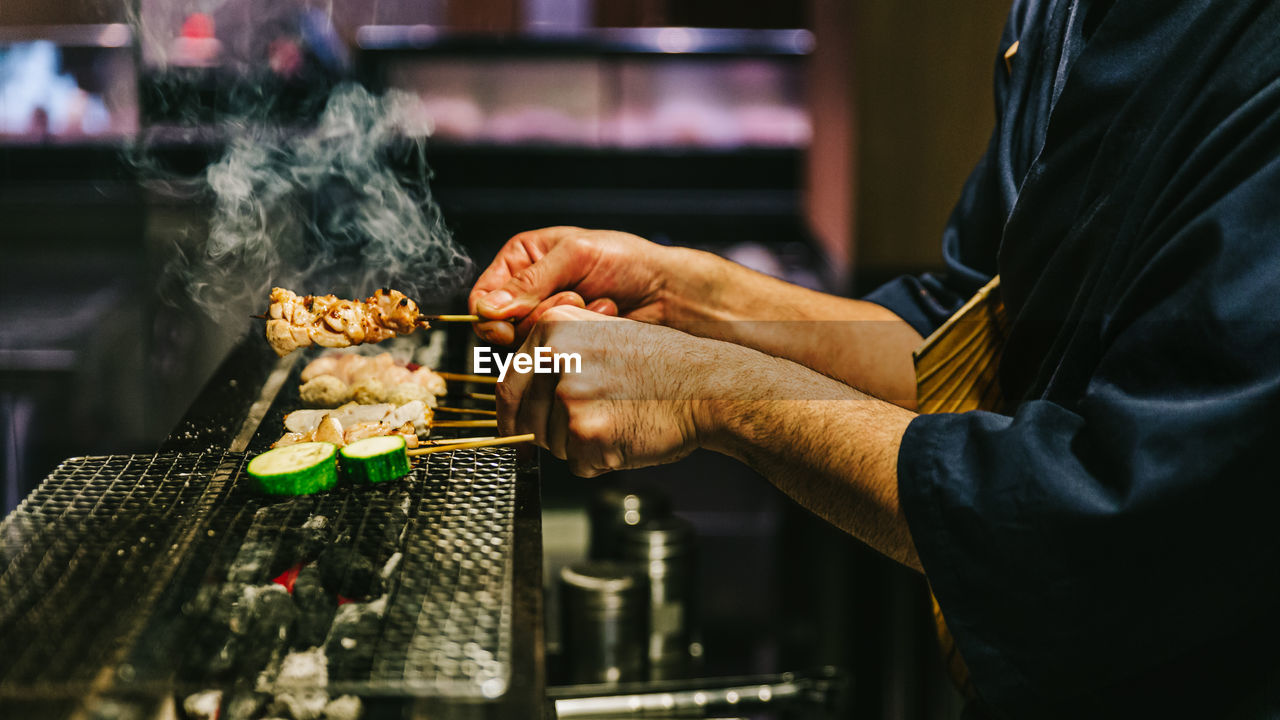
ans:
(131, 585)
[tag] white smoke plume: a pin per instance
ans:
(325, 210)
(340, 204)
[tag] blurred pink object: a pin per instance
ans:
(530, 123)
(285, 57)
(687, 121)
(196, 45)
(774, 125)
(454, 118)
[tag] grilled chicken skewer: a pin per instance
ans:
(295, 321)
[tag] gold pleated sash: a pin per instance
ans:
(956, 372)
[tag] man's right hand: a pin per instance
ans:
(699, 293)
(614, 273)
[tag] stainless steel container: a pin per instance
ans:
(604, 622)
(664, 548)
(614, 510)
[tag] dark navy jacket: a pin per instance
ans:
(1112, 547)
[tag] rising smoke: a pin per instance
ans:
(340, 204)
(325, 210)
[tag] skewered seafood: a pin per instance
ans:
(295, 321)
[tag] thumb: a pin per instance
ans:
(531, 286)
(565, 298)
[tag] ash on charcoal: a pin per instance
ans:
(392, 564)
(318, 526)
(252, 565)
(245, 705)
(300, 686)
(348, 573)
(347, 707)
(203, 705)
(316, 608)
(351, 645)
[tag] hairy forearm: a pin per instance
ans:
(859, 343)
(831, 448)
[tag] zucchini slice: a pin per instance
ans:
(375, 459)
(299, 469)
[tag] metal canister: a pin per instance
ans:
(604, 609)
(664, 547)
(614, 510)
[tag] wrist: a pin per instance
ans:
(694, 286)
(730, 395)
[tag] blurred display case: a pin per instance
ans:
(669, 87)
(687, 136)
(67, 84)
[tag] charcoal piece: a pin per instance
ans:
(262, 625)
(253, 563)
(315, 534)
(299, 545)
(316, 607)
(346, 572)
(209, 656)
(352, 640)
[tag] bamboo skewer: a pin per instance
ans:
(483, 396)
(495, 442)
(464, 423)
(462, 377)
(453, 441)
(465, 411)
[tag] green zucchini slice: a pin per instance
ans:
(375, 459)
(299, 469)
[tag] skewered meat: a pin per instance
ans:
(299, 321)
(351, 422)
(335, 378)
(330, 431)
(324, 391)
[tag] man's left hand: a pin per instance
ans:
(636, 401)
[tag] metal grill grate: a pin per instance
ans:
(166, 574)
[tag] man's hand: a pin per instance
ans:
(612, 273)
(648, 394)
(632, 405)
(615, 273)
